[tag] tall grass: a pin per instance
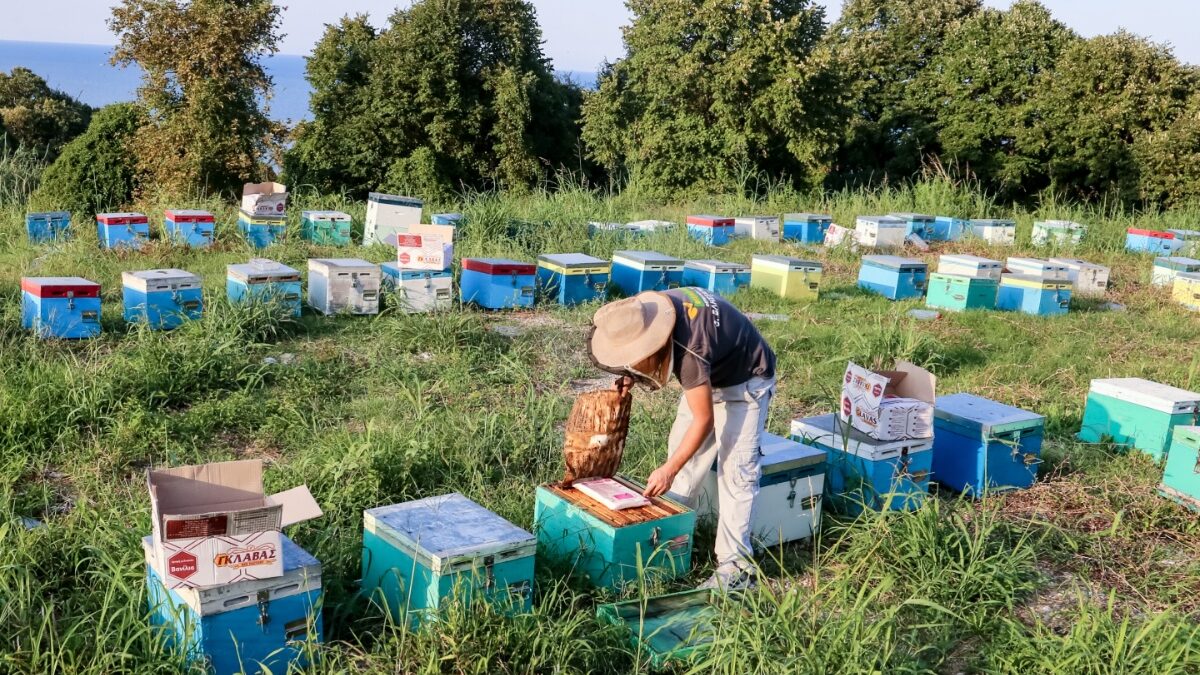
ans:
(375, 410)
(20, 170)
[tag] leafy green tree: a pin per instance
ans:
(36, 117)
(1103, 96)
(452, 93)
(96, 171)
(882, 47)
(979, 88)
(340, 148)
(711, 91)
(203, 85)
(1169, 159)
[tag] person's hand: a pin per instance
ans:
(660, 481)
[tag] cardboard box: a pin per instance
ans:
(264, 199)
(426, 247)
(890, 405)
(213, 524)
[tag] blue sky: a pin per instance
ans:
(581, 33)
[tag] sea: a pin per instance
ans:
(84, 72)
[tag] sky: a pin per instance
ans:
(580, 34)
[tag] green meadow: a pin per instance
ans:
(1088, 572)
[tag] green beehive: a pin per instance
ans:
(610, 548)
(957, 292)
(1181, 480)
(326, 228)
(668, 629)
(1136, 412)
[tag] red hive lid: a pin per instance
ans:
(188, 216)
(709, 221)
(1151, 233)
(121, 218)
(498, 266)
(60, 287)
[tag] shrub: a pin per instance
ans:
(96, 171)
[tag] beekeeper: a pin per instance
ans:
(727, 371)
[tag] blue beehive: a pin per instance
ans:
(893, 277)
(419, 555)
(262, 280)
(716, 275)
(1130, 411)
(1033, 295)
(261, 231)
(60, 307)
(245, 626)
(983, 445)
(945, 228)
(446, 218)
(573, 278)
(48, 226)
(497, 283)
(1190, 240)
(712, 230)
(122, 230)
(161, 298)
(864, 472)
(613, 548)
(637, 271)
(189, 228)
(918, 223)
(1151, 241)
(806, 228)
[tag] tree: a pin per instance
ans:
(1104, 95)
(96, 171)
(882, 47)
(1169, 159)
(452, 93)
(709, 91)
(340, 149)
(203, 85)
(36, 117)
(979, 88)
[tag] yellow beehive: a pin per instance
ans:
(1186, 290)
(790, 278)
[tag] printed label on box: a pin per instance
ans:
(212, 561)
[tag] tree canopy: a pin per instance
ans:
(36, 117)
(711, 92)
(204, 88)
(451, 94)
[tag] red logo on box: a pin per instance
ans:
(876, 390)
(404, 258)
(848, 377)
(846, 407)
(181, 565)
(279, 207)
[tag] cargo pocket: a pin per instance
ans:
(744, 470)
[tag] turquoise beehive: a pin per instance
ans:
(419, 555)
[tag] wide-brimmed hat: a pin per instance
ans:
(627, 332)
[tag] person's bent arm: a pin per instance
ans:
(700, 402)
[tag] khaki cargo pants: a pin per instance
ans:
(739, 418)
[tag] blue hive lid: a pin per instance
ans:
(993, 222)
(394, 200)
(981, 416)
(893, 262)
(1185, 234)
(262, 270)
(781, 454)
(325, 215)
(449, 532)
(48, 215)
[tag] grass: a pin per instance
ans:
(1089, 571)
